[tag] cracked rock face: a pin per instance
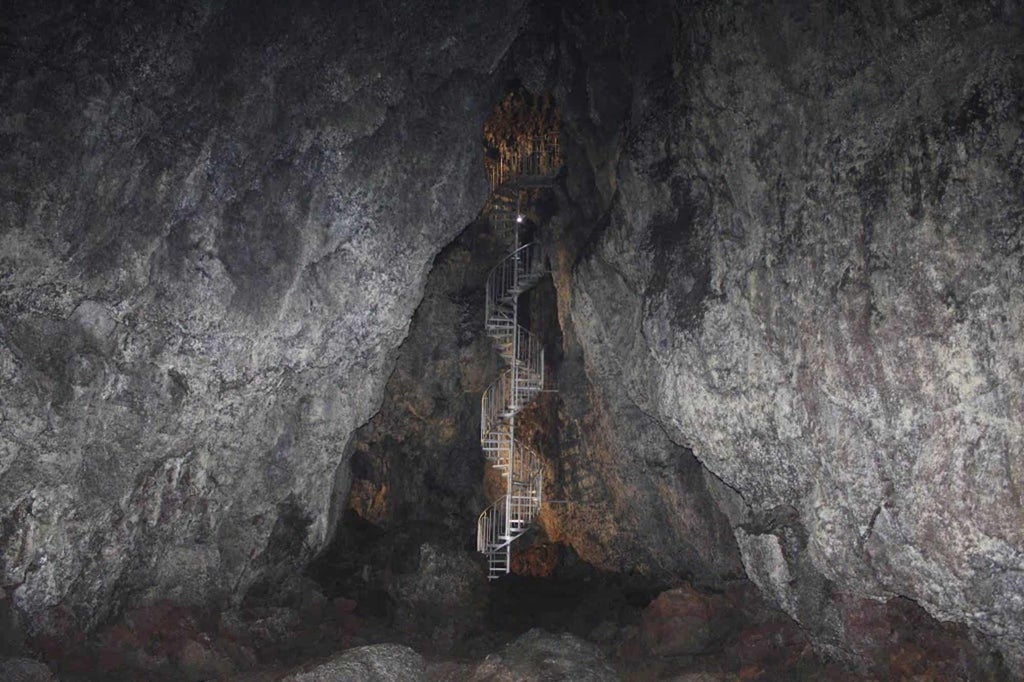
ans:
(635, 502)
(786, 276)
(215, 223)
(807, 266)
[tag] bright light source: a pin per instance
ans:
(519, 218)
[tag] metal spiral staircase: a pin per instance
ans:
(531, 164)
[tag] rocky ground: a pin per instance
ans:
(575, 623)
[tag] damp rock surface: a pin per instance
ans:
(804, 264)
(539, 655)
(784, 321)
(683, 621)
(216, 222)
(25, 670)
(374, 663)
(443, 599)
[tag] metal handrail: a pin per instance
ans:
(518, 269)
(490, 524)
(529, 355)
(514, 388)
(532, 163)
(525, 466)
(496, 403)
(498, 524)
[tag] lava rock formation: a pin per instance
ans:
(241, 271)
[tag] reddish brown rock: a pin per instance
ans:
(776, 644)
(684, 621)
(899, 640)
(344, 607)
(198, 661)
(538, 561)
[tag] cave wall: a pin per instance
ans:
(216, 222)
(802, 258)
(786, 265)
(417, 461)
(620, 492)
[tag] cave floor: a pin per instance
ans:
(264, 642)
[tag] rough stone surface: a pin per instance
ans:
(628, 499)
(24, 670)
(375, 663)
(684, 621)
(216, 220)
(540, 656)
(443, 599)
(805, 265)
(408, 539)
(637, 501)
(418, 460)
(784, 316)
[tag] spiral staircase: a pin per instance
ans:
(531, 164)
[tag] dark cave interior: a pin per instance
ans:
(245, 249)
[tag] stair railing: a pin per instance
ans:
(534, 163)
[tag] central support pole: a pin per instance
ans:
(514, 388)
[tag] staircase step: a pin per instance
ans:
(509, 518)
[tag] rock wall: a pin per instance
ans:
(418, 460)
(802, 258)
(216, 220)
(787, 259)
(623, 495)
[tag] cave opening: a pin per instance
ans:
(514, 340)
(387, 535)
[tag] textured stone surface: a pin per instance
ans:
(539, 656)
(806, 266)
(418, 460)
(443, 599)
(408, 543)
(215, 223)
(786, 287)
(24, 670)
(376, 663)
(628, 499)
(684, 621)
(636, 501)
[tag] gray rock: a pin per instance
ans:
(807, 270)
(449, 671)
(637, 502)
(418, 459)
(376, 663)
(540, 656)
(443, 599)
(25, 670)
(213, 233)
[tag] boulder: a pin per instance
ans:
(539, 656)
(25, 670)
(685, 621)
(375, 663)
